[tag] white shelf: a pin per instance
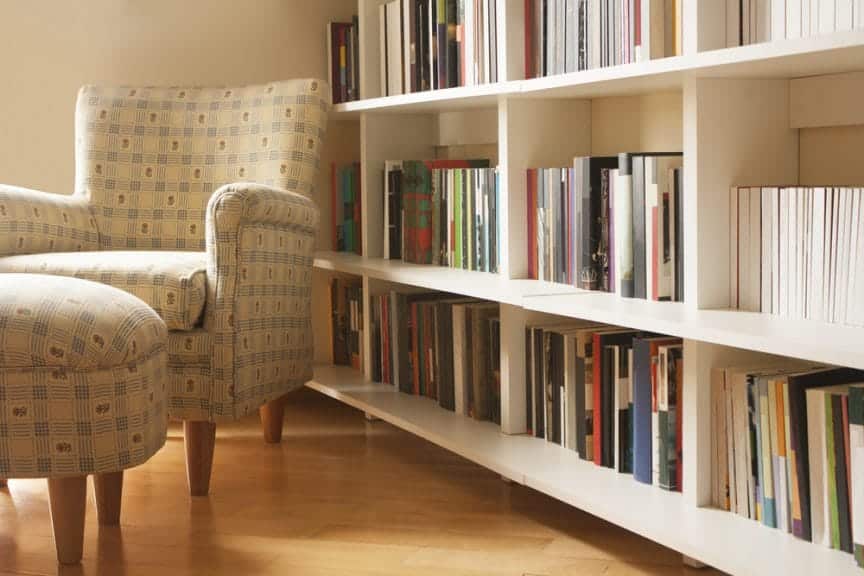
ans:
(720, 539)
(834, 53)
(483, 285)
(815, 341)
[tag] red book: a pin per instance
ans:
(532, 223)
(598, 400)
(529, 39)
(637, 18)
(415, 352)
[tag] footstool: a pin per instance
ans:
(82, 391)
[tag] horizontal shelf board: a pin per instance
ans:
(483, 285)
(834, 53)
(720, 539)
(815, 341)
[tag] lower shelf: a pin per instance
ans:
(717, 538)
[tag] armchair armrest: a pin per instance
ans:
(260, 251)
(33, 222)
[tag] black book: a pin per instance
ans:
(452, 16)
(579, 409)
(539, 386)
(402, 343)
(444, 354)
(840, 473)
(625, 434)
(495, 370)
(394, 207)
(421, 31)
(591, 228)
(556, 353)
(605, 355)
(798, 386)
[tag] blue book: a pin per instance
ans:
(642, 452)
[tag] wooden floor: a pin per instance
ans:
(339, 497)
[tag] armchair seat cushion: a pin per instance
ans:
(174, 284)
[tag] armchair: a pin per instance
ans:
(199, 202)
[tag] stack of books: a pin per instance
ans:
(433, 44)
(572, 35)
(611, 394)
(343, 60)
(798, 252)
(345, 206)
(442, 212)
(346, 326)
(441, 347)
(788, 450)
(752, 21)
(613, 224)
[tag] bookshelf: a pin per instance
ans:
(785, 112)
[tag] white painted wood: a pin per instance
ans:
(513, 370)
(388, 138)
(534, 134)
(833, 53)
(737, 134)
(641, 123)
(832, 156)
(704, 534)
(830, 100)
(463, 128)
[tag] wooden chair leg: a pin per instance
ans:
(108, 489)
(68, 502)
(272, 415)
(199, 439)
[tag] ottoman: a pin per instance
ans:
(83, 377)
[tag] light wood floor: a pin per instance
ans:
(339, 497)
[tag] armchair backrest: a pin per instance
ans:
(148, 159)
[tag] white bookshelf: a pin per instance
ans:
(781, 113)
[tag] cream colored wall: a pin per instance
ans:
(48, 48)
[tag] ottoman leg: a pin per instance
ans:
(108, 489)
(272, 415)
(199, 439)
(68, 502)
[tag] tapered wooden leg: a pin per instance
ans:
(272, 415)
(68, 501)
(108, 489)
(199, 438)
(2, 483)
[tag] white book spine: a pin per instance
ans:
(819, 254)
(763, 20)
(819, 505)
(843, 258)
(783, 290)
(733, 248)
(733, 23)
(755, 272)
(765, 249)
(844, 17)
(825, 16)
(793, 18)
(744, 248)
(774, 206)
(778, 20)
(805, 18)
(858, 13)
(382, 44)
(854, 247)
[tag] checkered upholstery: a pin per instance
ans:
(174, 284)
(83, 378)
(228, 173)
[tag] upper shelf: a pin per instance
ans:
(834, 53)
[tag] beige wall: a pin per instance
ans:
(48, 48)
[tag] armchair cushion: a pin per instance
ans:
(174, 284)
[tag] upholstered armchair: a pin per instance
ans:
(201, 203)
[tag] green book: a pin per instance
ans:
(856, 457)
(834, 520)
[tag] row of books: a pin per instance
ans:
(440, 346)
(564, 36)
(433, 44)
(345, 203)
(346, 326)
(611, 394)
(343, 60)
(788, 450)
(752, 21)
(798, 252)
(613, 224)
(442, 212)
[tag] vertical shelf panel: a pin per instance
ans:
(736, 132)
(534, 134)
